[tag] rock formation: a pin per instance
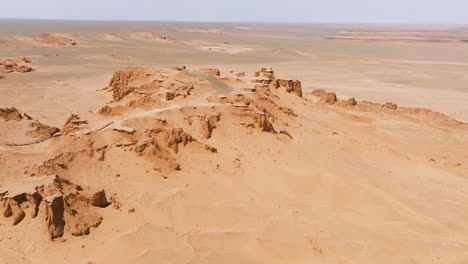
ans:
(164, 119)
(67, 207)
(25, 60)
(40, 130)
(266, 76)
(177, 68)
(50, 39)
(12, 113)
(351, 102)
(209, 123)
(325, 97)
(291, 86)
(330, 98)
(390, 105)
(212, 71)
(9, 66)
(24, 126)
(74, 124)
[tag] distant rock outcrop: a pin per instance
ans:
(240, 74)
(330, 98)
(9, 66)
(266, 76)
(390, 105)
(177, 68)
(25, 60)
(212, 71)
(291, 86)
(51, 39)
(325, 97)
(351, 102)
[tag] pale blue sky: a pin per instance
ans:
(316, 11)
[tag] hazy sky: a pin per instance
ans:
(322, 11)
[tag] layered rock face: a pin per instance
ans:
(266, 76)
(291, 86)
(67, 208)
(74, 124)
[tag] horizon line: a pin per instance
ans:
(241, 22)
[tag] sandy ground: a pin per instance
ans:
(201, 168)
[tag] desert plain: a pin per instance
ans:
(158, 142)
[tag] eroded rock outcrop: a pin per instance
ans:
(74, 124)
(177, 68)
(11, 113)
(329, 98)
(54, 165)
(267, 73)
(121, 80)
(291, 86)
(325, 97)
(414, 114)
(240, 74)
(209, 123)
(21, 129)
(9, 66)
(40, 130)
(390, 105)
(266, 76)
(351, 102)
(67, 207)
(212, 71)
(25, 60)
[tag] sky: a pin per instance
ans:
(293, 11)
